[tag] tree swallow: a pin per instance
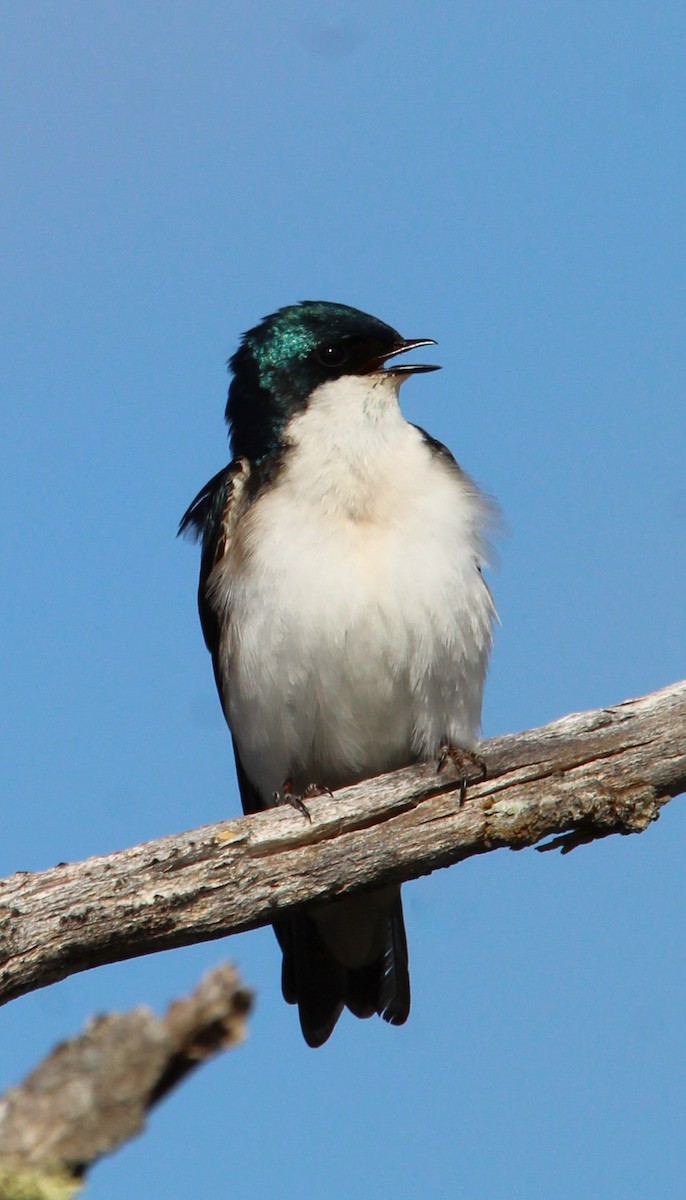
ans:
(342, 601)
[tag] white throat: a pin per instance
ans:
(346, 441)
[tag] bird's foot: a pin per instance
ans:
(471, 767)
(297, 799)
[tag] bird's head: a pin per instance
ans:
(283, 360)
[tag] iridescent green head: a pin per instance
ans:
(281, 361)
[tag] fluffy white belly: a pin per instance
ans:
(357, 630)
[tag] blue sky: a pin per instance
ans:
(509, 179)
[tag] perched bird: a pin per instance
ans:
(342, 601)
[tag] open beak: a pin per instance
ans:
(379, 364)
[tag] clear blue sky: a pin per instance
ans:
(511, 180)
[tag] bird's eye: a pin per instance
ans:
(331, 355)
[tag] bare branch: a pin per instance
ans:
(93, 1092)
(588, 775)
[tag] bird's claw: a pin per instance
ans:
(471, 767)
(297, 799)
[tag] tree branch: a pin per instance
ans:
(586, 776)
(93, 1092)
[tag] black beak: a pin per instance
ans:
(403, 347)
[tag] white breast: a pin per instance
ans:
(357, 630)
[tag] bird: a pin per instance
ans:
(343, 602)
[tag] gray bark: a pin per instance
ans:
(92, 1093)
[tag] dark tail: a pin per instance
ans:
(321, 986)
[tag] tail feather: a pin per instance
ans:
(321, 986)
(363, 988)
(394, 995)
(310, 977)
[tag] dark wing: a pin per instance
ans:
(211, 519)
(439, 449)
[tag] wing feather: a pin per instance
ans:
(212, 519)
